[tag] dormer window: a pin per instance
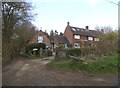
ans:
(90, 38)
(77, 36)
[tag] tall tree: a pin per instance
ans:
(13, 13)
(15, 16)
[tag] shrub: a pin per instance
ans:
(69, 45)
(81, 51)
(48, 53)
(73, 52)
(30, 47)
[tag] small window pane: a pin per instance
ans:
(77, 36)
(90, 38)
(40, 39)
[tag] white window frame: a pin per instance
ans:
(76, 36)
(40, 39)
(90, 38)
(78, 45)
(96, 39)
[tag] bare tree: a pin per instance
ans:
(105, 29)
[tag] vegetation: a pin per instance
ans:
(30, 47)
(108, 44)
(106, 64)
(80, 51)
(16, 27)
(40, 52)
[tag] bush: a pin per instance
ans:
(48, 53)
(108, 44)
(60, 46)
(30, 47)
(73, 52)
(81, 51)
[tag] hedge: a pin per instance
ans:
(30, 47)
(80, 51)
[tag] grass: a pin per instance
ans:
(106, 64)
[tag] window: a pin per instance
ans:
(96, 39)
(40, 39)
(90, 38)
(76, 45)
(77, 36)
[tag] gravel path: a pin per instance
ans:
(36, 73)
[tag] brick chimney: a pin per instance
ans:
(87, 27)
(68, 23)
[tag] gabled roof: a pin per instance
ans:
(40, 33)
(84, 32)
(60, 39)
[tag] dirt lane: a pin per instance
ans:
(36, 73)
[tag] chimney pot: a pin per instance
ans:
(87, 27)
(68, 23)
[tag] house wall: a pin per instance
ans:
(69, 35)
(83, 37)
(35, 38)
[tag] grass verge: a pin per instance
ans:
(106, 64)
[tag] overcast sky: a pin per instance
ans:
(54, 14)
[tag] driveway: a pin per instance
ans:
(36, 73)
